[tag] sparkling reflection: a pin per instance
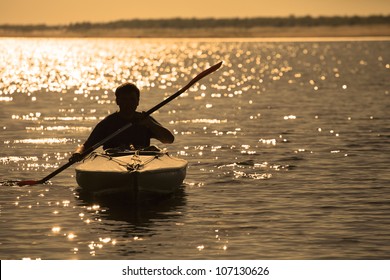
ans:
(281, 125)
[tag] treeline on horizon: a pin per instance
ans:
(188, 23)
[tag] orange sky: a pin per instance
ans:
(70, 11)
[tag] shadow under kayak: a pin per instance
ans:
(154, 172)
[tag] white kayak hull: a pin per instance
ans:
(146, 172)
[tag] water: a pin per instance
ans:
(288, 149)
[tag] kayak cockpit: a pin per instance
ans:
(149, 170)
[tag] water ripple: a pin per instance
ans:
(287, 145)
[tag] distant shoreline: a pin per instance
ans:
(372, 30)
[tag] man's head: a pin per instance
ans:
(127, 97)
(127, 88)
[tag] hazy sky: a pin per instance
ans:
(70, 11)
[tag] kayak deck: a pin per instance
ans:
(131, 172)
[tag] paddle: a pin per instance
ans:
(94, 147)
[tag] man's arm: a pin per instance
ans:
(159, 132)
(76, 155)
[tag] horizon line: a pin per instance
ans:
(319, 17)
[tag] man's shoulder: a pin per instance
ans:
(111, 117)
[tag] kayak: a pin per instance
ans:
(148, 171)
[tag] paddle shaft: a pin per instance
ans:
(147, 113)
(183, 89)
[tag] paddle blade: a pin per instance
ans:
(28, 183)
